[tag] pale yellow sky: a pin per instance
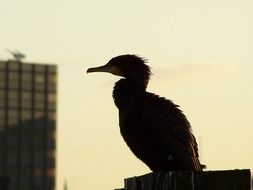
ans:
(201, 53)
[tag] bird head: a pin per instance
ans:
(131, 67)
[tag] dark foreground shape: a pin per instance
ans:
(4, 181)
(154, 128)
(188, 180)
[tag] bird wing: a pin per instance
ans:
(171, 128)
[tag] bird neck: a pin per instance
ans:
(127, 92)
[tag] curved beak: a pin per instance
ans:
(106, 68)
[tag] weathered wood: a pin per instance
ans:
(187, 180)
(227, 180)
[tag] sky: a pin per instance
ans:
(201, 54)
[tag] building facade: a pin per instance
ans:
(28, 124)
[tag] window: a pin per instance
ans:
(52, 78)
(13, 113)
(13, 66)
(39, 78)
(13, 99)
(50, 153)
(39, 114)
(13, 80)
(2, 94)
(2, 98)
(13, 94)
(40, 105)
(51, 135)
(38, 172)
(2, 115)
(40, 81)
(13, 84)
(27, 67)
(52, 69)
(26, 104)
(52, 116)
(39, 96)
(26, 76)
(13, 103)
(50, 163)
(27, 81)
(51, 172)
(51, 97)
(12, 117)
(2, 84)
(40, 68)
(51, 83)
(13, 76)
(2, 65)
(26, 99)
(39, 100)
(2, 104)
(26, 115)
(2, 78)
(51, 101)
(2, 75)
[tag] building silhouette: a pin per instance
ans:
(28, 125)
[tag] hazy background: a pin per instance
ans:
(201, 53)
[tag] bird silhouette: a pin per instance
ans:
(154, 128)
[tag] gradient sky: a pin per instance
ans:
(201, 53)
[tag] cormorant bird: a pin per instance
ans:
(153, 127)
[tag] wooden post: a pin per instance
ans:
(4, 181)
(187, 180)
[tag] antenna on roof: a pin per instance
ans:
(17, 55)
